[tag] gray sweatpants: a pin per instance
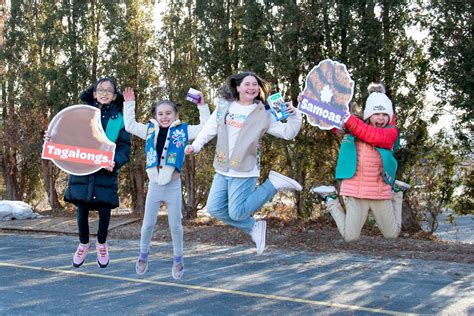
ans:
(170, 194)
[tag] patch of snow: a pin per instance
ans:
(461, 230)
(16, 210)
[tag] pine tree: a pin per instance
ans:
(130, 56)
(451, 35)
(218, 32)
(180, 68)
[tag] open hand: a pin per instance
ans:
(128, 94)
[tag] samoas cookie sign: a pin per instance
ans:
(327, 94)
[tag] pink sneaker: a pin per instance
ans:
(80, 255)
(102, 254)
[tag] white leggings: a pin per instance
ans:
(170, 194)
(387, 213)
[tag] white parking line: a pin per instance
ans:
(208, 289)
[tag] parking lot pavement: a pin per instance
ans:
(36, 277)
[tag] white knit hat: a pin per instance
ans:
(378, 102)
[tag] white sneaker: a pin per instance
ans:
(325, 191)
(258, 234)
(283, 183)
(400, 186)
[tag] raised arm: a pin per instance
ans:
(131, 125)
(204, 114)
(287, 130)
(375, 136)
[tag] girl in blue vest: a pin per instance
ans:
(166, 138)
(99, 191)
(239, 121)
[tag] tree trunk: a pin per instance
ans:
(137, 182)
(343, 17)
(189, 201)
(95, 54)
(9, 163)
(9, 174)
(50, 177)
(409, 222)
(388, 47)
(327, 28)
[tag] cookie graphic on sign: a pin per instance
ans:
(327, 94)
(78, 143)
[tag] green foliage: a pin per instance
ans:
(218, 52)
(451, 48)
(432, 174)
(464, 201)
(53, 50)
(34, 89)
(253, 38)
(452, 51)
(179, 66)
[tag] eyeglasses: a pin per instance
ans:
(104, 91)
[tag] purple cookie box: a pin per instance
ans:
(193, 97)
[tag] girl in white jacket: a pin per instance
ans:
(166, 138)
(239, 122)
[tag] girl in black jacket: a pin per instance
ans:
(99, 191)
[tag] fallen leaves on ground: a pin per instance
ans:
(317, 235)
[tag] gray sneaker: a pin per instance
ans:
(400, 186)
(142, 263)
(177, 270)
(325, 191)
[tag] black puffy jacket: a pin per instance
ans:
(101, 187)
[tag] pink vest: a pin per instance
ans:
(367, 183)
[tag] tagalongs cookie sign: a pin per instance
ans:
(78, 143)
(327, 94)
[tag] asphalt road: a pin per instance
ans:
(36, 277)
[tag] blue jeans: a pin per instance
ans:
(233, 200)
